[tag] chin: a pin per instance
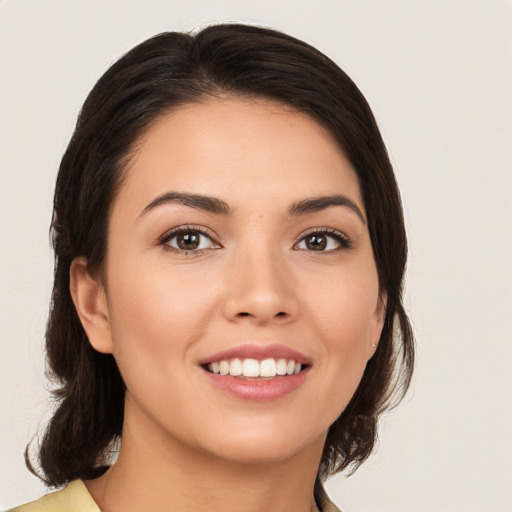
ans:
(264, 444)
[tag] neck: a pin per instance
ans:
(156, 472)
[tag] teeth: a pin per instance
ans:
(235, 368)
(281, 367)
(250, 368)
(223, 367)
(254, 368)
(268, 368)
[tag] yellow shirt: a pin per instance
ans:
(76, 498)
(73, 498)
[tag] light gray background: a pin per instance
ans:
(438, 76)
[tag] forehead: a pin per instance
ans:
(239, 150)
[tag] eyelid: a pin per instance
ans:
(344, 240)
(176, 230)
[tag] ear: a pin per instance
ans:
(379, 317)
(91, 305)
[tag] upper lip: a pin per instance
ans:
(257, 351)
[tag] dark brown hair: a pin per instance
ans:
(163, 72)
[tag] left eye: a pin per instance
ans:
(323, 242)
(189, 240)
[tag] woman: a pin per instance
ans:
(230, 252)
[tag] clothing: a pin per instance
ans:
(73, 498)
(76, 498)
(322, 500)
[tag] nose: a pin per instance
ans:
(260, 289)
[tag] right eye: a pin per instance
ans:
(189, 239)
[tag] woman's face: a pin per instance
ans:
(237, 241)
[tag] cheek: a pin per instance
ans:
(156, 317)
(158, 298)
(344, 307)
(344, 319)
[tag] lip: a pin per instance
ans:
(259, 352)
(260, 390)
(257, 389)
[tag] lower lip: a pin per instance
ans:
(256, 389)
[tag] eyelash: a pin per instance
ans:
(169, 235)
(343, 241)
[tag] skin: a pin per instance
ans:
(159, 310)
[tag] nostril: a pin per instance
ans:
(281, 313)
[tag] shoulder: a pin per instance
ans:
(323, 501)
(76, 498)
(73, 498)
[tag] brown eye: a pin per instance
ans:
(316, 242)
(324, 241)
(189, 240)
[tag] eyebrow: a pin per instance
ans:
(220, 207)
(316, 204)
(197, 201)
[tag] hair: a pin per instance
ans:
(155, 77)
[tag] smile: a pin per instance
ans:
(252, 368)
(256, 372)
